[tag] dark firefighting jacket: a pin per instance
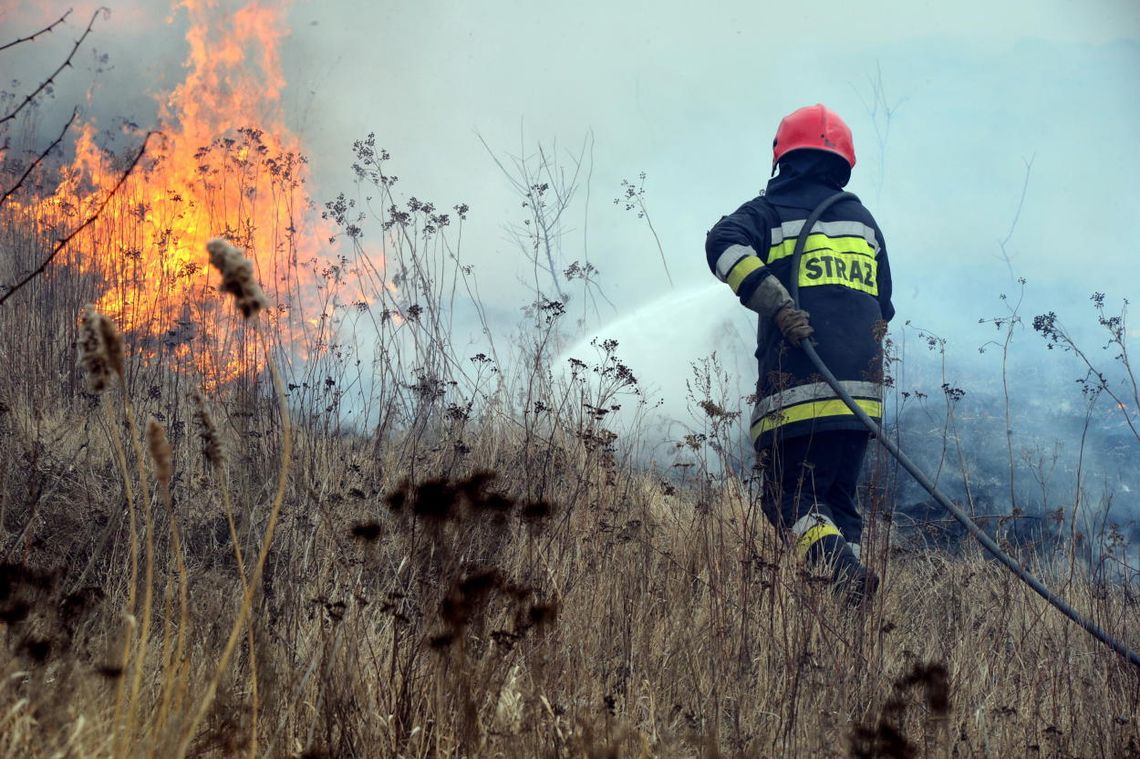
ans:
(845, 284)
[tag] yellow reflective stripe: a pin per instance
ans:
(813, 391)
(813, 410)
(817, 241)
(830, 267)
(815, 534)
(743, 268)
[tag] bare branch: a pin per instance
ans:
(32, 36)
(519, 187)
(880, 112)
(44, 85)
(1017, 215)
(63, 243)
(39, 158)
(656, 239)
(547, 189)
(633, 198)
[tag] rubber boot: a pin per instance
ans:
(849, 576)
(855, 581)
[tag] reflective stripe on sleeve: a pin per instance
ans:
(742, 269)
(732, 254)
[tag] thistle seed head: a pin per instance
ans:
(160, 451)
(114, 342)
(208, 432)
(237, 277)
(100, 350)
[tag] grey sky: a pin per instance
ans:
(691, 97)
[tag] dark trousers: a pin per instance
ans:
(819, 473)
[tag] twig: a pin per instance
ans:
(1016, 215)
(40, 158)
(32, 36)
(634, 199)
(878, 104)
(63, 243)
(54, 74)
(543, 230)
(656, 239)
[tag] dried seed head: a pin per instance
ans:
(237, 277)
(160, 451)
(114, 343)
(100, 349)
(208, 432)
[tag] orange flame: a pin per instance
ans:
(225, 165)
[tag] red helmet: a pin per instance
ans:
(815, 127)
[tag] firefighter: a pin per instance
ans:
(810, 445)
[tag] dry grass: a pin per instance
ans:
(485, 571)
(431, 602)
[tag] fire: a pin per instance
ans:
(223, 165)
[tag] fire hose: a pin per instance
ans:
(987, 542)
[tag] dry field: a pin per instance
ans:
(204, 555)
(499, 584)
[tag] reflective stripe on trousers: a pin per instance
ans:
(810, 529)
(813, 401)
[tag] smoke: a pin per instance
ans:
(133, 55)
(1068, 454)
(946, 123)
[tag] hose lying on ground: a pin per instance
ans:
(971, 527)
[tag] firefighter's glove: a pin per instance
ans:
(793, 323)
(768, 297)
